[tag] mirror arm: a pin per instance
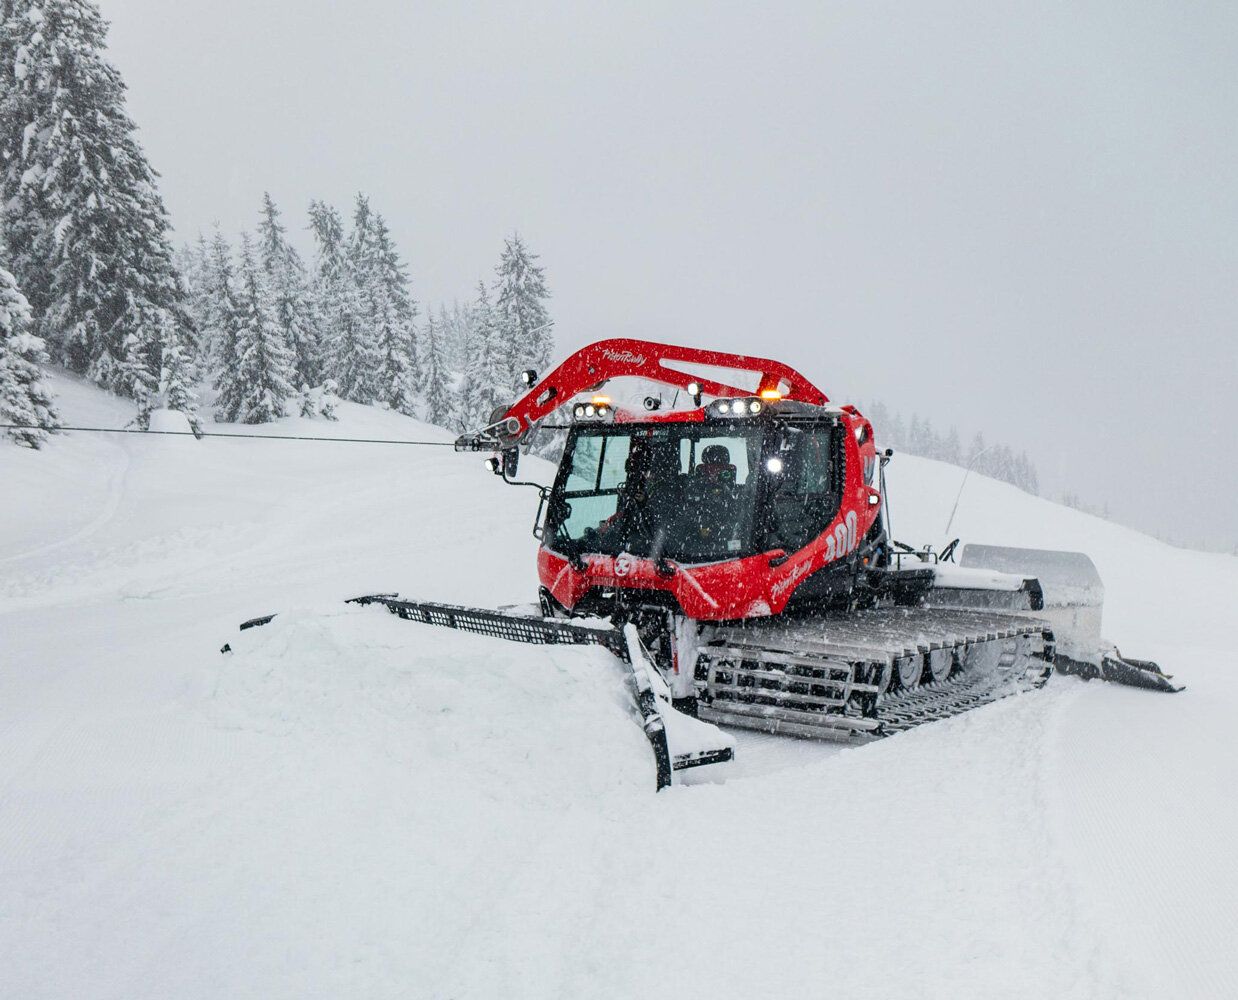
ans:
(545, 490)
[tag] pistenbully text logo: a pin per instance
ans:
(797, 573)
(624, 357)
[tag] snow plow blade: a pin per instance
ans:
(679, 743)
(1073, 598)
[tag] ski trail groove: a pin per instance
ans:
(117, 482)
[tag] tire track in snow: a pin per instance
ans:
(116, 493)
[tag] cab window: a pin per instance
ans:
(806, 492)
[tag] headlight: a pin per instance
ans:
(736, 407)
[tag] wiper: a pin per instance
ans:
(657, 553)
(571, 548)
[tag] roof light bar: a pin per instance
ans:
(737, 407)
(598, 407)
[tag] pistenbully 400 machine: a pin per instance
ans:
(739, 546)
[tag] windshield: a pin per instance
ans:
(677, 491)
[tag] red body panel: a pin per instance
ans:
(736, 588)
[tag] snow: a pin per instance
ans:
(949, 575)
(353, 805)
(169, 421)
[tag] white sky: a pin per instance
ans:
(1018, 218)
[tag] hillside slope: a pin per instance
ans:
(351, 805)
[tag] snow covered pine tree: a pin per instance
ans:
(354, 349)
(193, 261)
(177, 374)
(485, 384)
(257, 387)
(527, 331)
(336, 303)
(290, 297)
(222, 316)
(392, 312)
(82, 216)
(435, 376)
(456, 327)
(24, 395)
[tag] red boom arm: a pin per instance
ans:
(609, 359)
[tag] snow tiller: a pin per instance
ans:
(739, 545)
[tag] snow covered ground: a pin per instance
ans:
(351, 805)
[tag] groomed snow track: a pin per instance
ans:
(868, 674)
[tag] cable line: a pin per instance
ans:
(225, 434)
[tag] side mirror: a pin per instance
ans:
(511, 462)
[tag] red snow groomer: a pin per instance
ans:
(738, 541)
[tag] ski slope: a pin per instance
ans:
(354, 806)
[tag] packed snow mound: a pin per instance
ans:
(169, 422)
(469, 715)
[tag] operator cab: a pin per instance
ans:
(699, 486)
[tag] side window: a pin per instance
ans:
(814, 462)
(614, 461)
(586, 454)
(805, 495)
(591, 490)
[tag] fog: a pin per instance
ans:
(1013, 218)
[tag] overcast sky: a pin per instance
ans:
(1015, 218)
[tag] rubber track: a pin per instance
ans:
(877, 638)
(934, 702)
